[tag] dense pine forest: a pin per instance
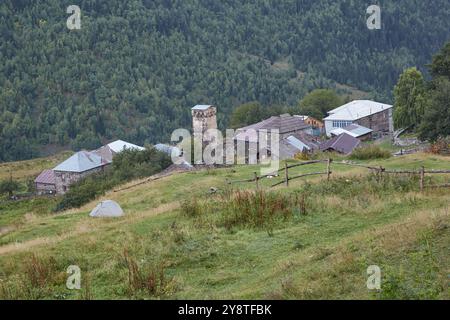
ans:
(136, 67)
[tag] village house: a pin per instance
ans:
(78, 166)
(354, 130)
(45, 183)
(370, 114)
(286, 125)
(318, 127)
(295, 144)
(343, 143)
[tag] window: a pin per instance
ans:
(341, 123)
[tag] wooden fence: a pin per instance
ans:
(380, 171)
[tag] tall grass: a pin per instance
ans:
(35, 279)
(148, 278)
(248, 209)
(370, 152)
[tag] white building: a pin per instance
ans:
(373, 115)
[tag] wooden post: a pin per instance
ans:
(286, 174)
(328, 169)
(422, 178)
(256, 181)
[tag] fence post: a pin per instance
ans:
(329, 168)
(256, 180)
(422, 178)
(286, 174)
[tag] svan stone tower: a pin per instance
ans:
(204, 117)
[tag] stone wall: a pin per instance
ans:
(65, 179)
(203, 120)
(42, 188)
(378, 122)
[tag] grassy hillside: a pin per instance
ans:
(314, 239)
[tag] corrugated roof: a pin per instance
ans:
(356, 110)
(46, 177)
(80, 162)
(311, 141)
(297, 143)
(167, 149)
(120, 145)
(354, 130)
(202, 107)
(285, 123)
(106, 153)
(343, 143)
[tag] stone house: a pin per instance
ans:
(285, 124)
(78, 166)
(45, 183)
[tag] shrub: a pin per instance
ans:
(370, 152)
(191, 207)
(302, 156)
(441, 146)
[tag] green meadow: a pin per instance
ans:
(312, 240)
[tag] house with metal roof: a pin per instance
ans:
(120, 145)
(343, 143)
(45, 183)
(285, 124)
(78, 166)
(290, 128)
(355, 130)
(375, 116)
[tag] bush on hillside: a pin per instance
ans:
(441, 146)
(369, 153)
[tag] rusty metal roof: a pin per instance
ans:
(285, 123)
(342, 143)
(46, 177)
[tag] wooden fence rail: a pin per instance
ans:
(380, 171)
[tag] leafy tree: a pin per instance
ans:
(9, 187)
(436, 120)
(318, 102)
(409, 99)
(440, 65)
(246, 114)
(137, 66)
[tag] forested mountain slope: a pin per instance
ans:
(135, 67)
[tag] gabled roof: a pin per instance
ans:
(46, 177)
(80, 162)
(106, 153)
(356, 110)
(355, 130)
(343, 143)
(202, 107)
(167, 149)
(307, 139)
(285, 123)
(120, 145)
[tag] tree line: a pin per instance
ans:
(136, 67)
